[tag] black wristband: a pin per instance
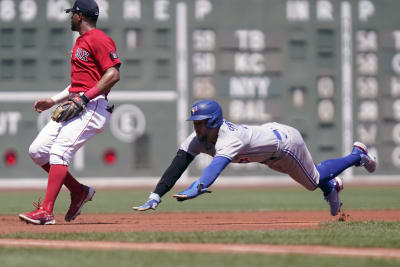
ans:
(84, 98)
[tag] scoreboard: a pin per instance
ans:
(329, 68)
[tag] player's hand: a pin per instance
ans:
(150, 204)
(194, 190)
(43, 104)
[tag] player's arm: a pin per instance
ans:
(46, 103)
(207, 178)
(107, 81)
(178, 165)
(175, 170)
(77, 104)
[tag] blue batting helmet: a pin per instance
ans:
(207, 109)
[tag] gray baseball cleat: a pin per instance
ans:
(333, 197)
(367, 161)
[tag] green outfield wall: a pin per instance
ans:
(330, 68)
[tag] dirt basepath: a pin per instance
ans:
(189, 222)
(206, 248)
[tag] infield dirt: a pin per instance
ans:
(188, 222)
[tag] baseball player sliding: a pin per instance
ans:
(276, 145)
(84, 112)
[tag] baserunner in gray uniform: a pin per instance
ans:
(279, 146)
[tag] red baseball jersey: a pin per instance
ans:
(93, 53)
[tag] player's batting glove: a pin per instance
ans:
(152, 203)
(70, 109)
(194, 190)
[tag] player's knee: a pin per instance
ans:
(310, 187)
(313, 188)
(308, 184)
(33, 151)
(38, 156)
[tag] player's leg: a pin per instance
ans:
(55, 180)
(70, 182)
(329, 183)
(72, 137)
(39, 151)
(299, 165)
(331, 168)
(295, 159)
(57, 175)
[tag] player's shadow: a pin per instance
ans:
(87, 223)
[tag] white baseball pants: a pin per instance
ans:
(294, 158)
(57, 143)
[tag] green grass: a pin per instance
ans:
(11, 257)
(293, 198)
(347, 234)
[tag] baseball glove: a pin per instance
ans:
(70, 109)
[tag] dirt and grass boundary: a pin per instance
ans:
(195, 222)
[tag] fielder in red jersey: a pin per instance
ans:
(94, 71)
(93, 54)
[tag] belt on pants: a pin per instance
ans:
(277, 134)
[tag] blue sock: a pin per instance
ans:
(331, 168)
(326, 187)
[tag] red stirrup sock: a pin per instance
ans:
(70, 182)
(56, 179)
